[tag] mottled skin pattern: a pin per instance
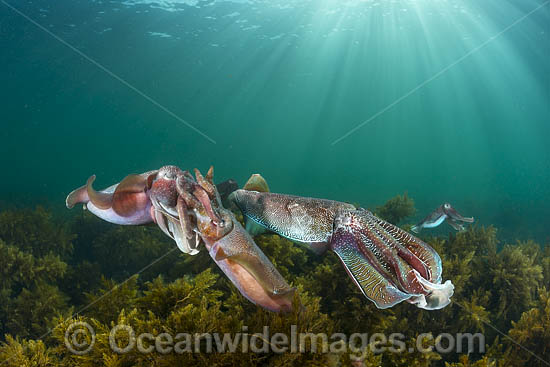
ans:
(388, 264)
(439, 215)
(304, 220)
(189, 211)
(233, 249)
(404, 262)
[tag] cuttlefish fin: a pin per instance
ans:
(102, 200)
(256, 183)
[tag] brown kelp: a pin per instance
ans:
(50, 276)
(396, 209)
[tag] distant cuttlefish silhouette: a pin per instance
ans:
(438, 216)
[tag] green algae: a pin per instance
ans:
(396, 209)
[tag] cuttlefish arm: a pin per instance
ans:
(170, 212)
(126, 203)
(365, 271)
(388, 264)
(454, 215)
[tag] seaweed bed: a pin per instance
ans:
(54, 273)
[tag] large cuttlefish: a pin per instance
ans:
(387, 264)
(439, 215)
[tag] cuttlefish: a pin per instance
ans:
(387, 264)
(438, 216)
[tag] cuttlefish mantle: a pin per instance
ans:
(438, 216)
(125, 203)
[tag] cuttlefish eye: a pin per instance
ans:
(447, 206)
(169, 172)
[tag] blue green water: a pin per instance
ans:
(452, 99)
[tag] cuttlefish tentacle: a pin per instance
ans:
(417, 275)
(199, 191)
(161, 221)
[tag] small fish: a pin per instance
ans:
(438, 216)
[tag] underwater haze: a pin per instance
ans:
(435, 109)
(352, 100)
